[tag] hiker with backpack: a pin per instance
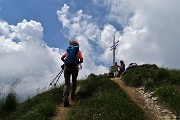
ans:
(72, 58)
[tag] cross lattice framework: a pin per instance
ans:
(114, 48)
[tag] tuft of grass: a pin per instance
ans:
(174, 76)
(169, 96)
(41, 107)
(43, 111)
(87, 86)
(9, 103)
(100, 98)
(140, 75)
(151, 76)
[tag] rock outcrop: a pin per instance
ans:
(152, 103)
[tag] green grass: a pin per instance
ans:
(171, 96)
(8, 103)
(151, 76)
(165, 82)
(41, 107)
(100, 98)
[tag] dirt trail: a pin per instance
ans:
(131, 91)
(61, 113)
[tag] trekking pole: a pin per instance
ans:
(58, 77)
(55, 78)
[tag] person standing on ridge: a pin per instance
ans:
(72, 58)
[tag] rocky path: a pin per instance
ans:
(147, 102)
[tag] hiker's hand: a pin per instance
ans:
(62, 66)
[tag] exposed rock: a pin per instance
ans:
(154, 98)
(167, 117)
(148, 102)
(152, 104)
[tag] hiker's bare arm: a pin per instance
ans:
(63, 56)
(80, 57)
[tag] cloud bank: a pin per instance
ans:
(26, 58)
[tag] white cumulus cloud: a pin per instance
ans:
(26, 57)
(151, 34)
(81, 28)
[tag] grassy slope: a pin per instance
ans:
(100, 98)
(40, 107)
(165, 83)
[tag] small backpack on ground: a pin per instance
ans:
(72, 59)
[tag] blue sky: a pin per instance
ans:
(44, 12)
(35, 33)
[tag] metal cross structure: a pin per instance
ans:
(113, 48)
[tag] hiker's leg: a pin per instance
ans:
(66, 85)
(74, 83)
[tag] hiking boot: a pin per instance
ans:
(72, 97)
(66, 103)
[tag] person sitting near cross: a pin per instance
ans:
(121, 67)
